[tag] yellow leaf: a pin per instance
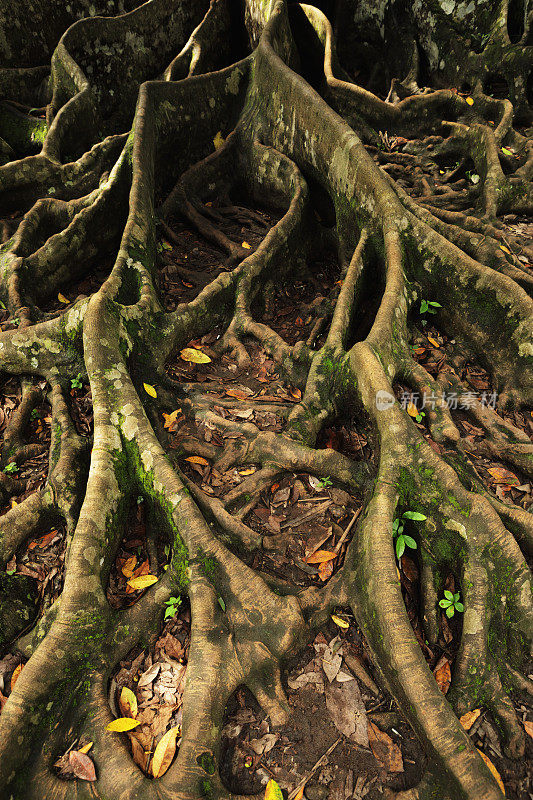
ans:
(433, 341)
(272, 791)
(246, 246)
(340, 622)
(16, 673)
(129, 566)
(248, 471)
(164, 753)
(412, 410)
(468, 719)
(503, 476)
(218, 141)
(122, 724)
(13, 503)
(470, 101)
(85, 748)
(63, 299)
(196, 356)
(321, 556)
(198, 460)
(170, 419)
(505, 249)
(128, 702)
(493, 769)
(149, 390)
(142, 581)
(299, 795)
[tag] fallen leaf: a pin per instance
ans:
(264, 744)
(347, 710)
(81, 765)
(85, 748)
(272, 791)
(325, 570)
(528, 728)
(122, 724)
(218, 140)
(501, 475)
(127, 702)
(505, 249)
(385, 751)
(198, 460)
(239, 394)
(443, 674)
(248, 471)
(164, 753)
(149, 675)
(149, 390)
(470, 101)
(195, 356)
(246, 246)
(142, 581)
(340, 622)
(128, 567)
(15, 675)
(331, 664)
(412, 410)
(433, 341)
(170, 419)
(493, 769)
(321, 556)
(299, 794)
(468, 719)
(62, 298)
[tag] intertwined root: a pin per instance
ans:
(289, 150)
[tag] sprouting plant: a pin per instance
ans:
(34, 414)
(403, 540)
(10, 468)
(163, 246)
(172, 605)
(16, 321)
(429, 306)
(451, 603)
(326, 481)
(420, 415)
(77, 383)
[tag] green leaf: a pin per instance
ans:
(423, 306)
(395, 524)
(448, 595)
(400, 546)
(457, 595)
(445, 603)
(10, 571)
(409, 541)
(507, 152)
(221, 603)
(450, 612)
(11, 467)
(459, 607)
(414, 515)
(272, 791)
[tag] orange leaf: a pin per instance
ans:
(433, 341)
(296, 393)
(325, 570)
(493, 769)
(16, 673)
(170, 419)
(246, 246)
(238, 394)
(501, 475)
(321, 556)
(198, 460)
(443, 674)
(529, 728)
(128, 567)
(412, 410)
(468, 719)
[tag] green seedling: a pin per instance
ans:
(450, 602)
(172, 605)
(429, 306)
(77, 383)
(326, 481)
(10, 468)
(403, 540)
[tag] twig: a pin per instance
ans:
(347, 531)
(310, 774)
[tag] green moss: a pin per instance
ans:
(206, 762)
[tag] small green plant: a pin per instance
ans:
(16, 321)
(172, 605)
(473, 177)
(163, 246)
(10, 468)
(420, 416)
(451, 603)
(429, 306)
(326, 481)
(77, 382)
(403, 540)
(34, 414)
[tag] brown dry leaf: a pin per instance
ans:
(170, 419)
(14, 677)
(468, 719)
(43, 541)
(493, 769)
(385, 751)
(321, 557)
(139, 754)
(127, 702)
(164, 753)
(528, 727)
(198, 460)
(325, 570)
(296, 393)
(347, 710)
(62, 298)
(149, 674)
(503, 476)
(412, 410)
(81, 765)
(239, 394)
(443, 674)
